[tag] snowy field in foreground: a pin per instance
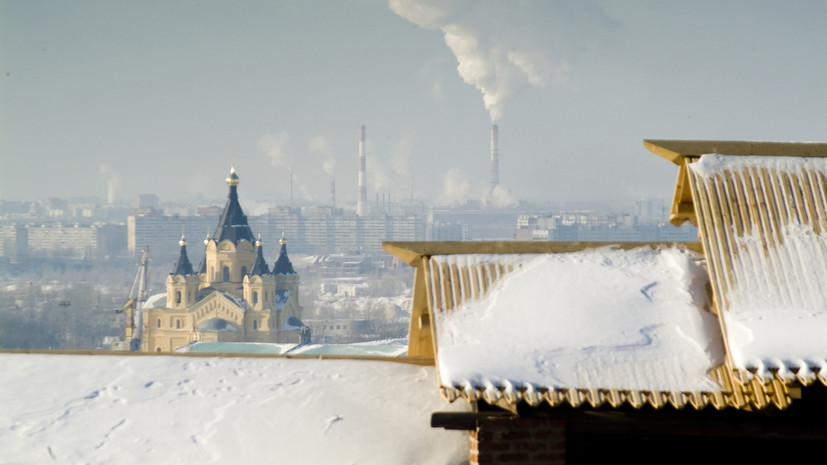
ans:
(168, 409)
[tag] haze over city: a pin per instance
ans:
(160, 97)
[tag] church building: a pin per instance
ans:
(233, 296)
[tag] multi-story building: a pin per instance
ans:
(83, 241)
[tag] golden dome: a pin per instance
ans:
(232, 179)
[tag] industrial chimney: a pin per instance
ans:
(495, 159)
(362, 199)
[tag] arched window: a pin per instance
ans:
(255, 297)
(226, 274)
(178, 324)
(177, 297)
(255, 325)
(159, 322)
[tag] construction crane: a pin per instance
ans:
(133, 305)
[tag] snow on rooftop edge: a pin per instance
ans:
(168, 409)
(597, 319)
(711, 164)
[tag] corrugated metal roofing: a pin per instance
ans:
(763, 224)
(572, 374)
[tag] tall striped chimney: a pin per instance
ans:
(495, 159)
(362, 199)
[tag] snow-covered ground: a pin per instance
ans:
(597, 319)
(184, 409)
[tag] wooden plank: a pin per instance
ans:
(445, 286)
(812, 199)
(429, 249)
(677, 150)
(456, 294)
(707, 235)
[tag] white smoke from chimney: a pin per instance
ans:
(274, 147)
(499, 197)
(401, 152)
(319, 145)
(301, 187)
(379, 177)
(113, 181)
(500, 47)
(456, 189)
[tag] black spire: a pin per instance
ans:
(233, 223)
(182, 266)
(260, 267)
(283, 265)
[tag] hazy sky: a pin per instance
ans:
(158, 97)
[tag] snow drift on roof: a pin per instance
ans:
(597, 319)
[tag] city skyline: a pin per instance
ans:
(161, 98)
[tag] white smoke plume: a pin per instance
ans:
(113, 181)
(400, 154)
(318, 144)
(456, 189)
(379, 179)
(500, 47)
(500, 197)
(274, 147)
(301, 188)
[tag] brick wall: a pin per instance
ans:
(518, 441)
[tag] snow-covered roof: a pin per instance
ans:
(222, 410)
(761, 212)
(566, 322)
(766, 234)
(534, 327)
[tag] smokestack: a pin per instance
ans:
(362, 199)
(495, 158)
(290, 184)
(110, 191)
(332, 191)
